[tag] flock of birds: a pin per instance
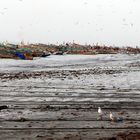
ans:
(112, 117)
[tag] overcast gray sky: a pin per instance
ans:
(84, 21)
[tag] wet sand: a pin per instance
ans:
(57, 97)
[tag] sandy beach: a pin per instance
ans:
(57, 97)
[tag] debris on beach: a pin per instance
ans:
(3, 107)
(29, 51)
(120, 119)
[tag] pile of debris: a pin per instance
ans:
(29, 51)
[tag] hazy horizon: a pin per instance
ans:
(109, 22)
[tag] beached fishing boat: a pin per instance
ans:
(23, 56)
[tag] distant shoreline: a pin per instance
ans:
(28, 52)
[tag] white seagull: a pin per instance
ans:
(112, 117)
(100, 112)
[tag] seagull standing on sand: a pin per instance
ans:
(100, 112)
(112, 117)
